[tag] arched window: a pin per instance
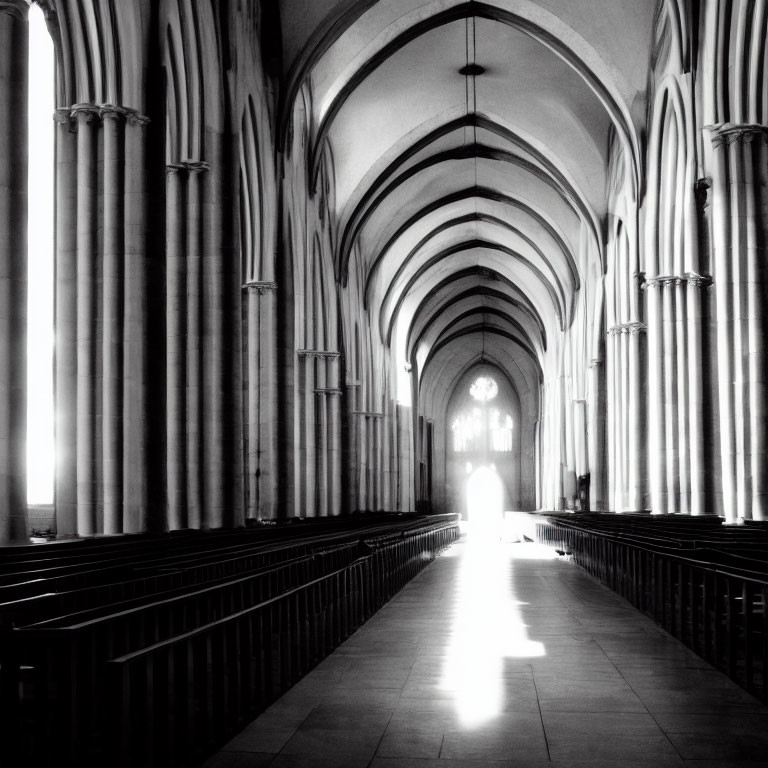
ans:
(40, 451)
(482, 428)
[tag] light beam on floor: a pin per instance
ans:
(488, 628)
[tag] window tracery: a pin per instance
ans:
(482, 428)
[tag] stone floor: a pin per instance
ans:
(507, 656)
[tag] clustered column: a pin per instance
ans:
(14, 45)
(675, 395)
(740, 228)
(321, 426)
(262, 400)
(625, 437)
(100, 319)
(197, 383)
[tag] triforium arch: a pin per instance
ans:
(283, 235)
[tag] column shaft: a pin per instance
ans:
(13, 271)
(253, 404)
(87, 298)
(135, 332)
(321, 405)
(656, 466)
(175, 327)
(65, 326)
(670, 401)
(634, 427)
(681, 376)
(695, 399)
(725, 352)
(740, 339)
(620, 427)
(334, 450)
(310, 438)
(194, 343)
(268, 407)
(755, 215)
(596, 447)
(112, 319)
(214, 343)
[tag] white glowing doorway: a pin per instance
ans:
(485, 495)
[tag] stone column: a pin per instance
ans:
(321, 367)
(614, 422)
(622, 339)
(406, 501)
(334, 448)
(253, 375)
(268, 407)
(378, 456)
(135, 330)
(386, 441)
(65, 324)
(596, 440)
(670, 446)
(634, 429)
(307, 361)
(175, 341)
(215, 344)
(656, 459)
(262, 400)
(739, 223)
(194, 421)
(112, 317)
(14, 55)
(351, 446)
(87, 117)
(681, 376)
(694, 371)
(755, 215)
(321, 411)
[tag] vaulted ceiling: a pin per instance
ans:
(470, 145)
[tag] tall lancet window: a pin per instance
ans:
(40, 451)
(482, 428)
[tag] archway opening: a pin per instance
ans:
(485, 498)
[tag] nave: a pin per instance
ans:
(509, 657)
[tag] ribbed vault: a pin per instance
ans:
(471, 145)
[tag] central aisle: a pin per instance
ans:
(506, 656)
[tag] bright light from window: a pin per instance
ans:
(40, 451)
(484, 503)
(484, 388)
(469, 430)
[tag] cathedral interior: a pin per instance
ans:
(327, 277)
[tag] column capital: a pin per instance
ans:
(19, 9)
(87, 113)
(113, 112)
(322, 353)
(133, 117)
(688, 278)
(195, 166)
(328, 391)
(727, 133)
(633, 328)
(63, 116)
(259, 286)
